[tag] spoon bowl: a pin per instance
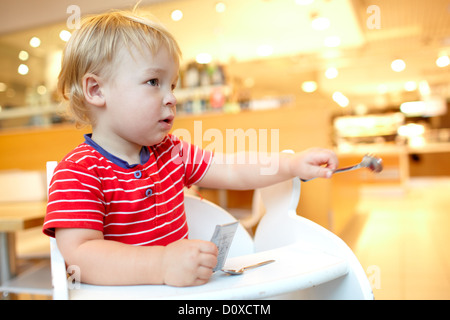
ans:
(241, 270)
(372, 162)
(369, 161)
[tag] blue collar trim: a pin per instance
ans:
(144, 154)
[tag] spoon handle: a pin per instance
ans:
(356, 166)
(257, 265)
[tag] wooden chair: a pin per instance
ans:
(310, 261)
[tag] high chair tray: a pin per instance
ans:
(295, 268)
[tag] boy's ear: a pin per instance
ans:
(92, 90)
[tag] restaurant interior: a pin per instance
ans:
(358, 76)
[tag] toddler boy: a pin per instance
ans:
(116, 201)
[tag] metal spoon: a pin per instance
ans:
(369, 161)
(241, 270)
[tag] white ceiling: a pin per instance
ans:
(20, 15)
(237, 33)
(414, 30)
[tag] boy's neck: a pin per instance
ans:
(120, 148)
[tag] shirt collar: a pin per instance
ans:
(144, 154)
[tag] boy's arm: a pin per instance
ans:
(242, 171)
(106, 262)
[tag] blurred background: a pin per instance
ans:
(358, 76)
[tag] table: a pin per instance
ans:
(16, 216)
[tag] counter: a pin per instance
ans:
(430, 159)
(395, 162)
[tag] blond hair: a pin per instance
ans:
(93, 48)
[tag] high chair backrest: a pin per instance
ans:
(58, 265)
(281, 226)
(277, 226)
(202, 217)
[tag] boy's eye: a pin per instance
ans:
(153, 82)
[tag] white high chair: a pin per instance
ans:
(310, 262)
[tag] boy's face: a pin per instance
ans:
(140, 105)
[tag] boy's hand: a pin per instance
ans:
(314, 163)
(189, 262)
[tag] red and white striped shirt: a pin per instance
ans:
(140, 204)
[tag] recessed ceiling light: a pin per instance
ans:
(177, 15)
(23, 55)
(220, 7)
(304, 2)
(320, 23)
(331, 73)
(410, 86)
(203, 58)
(65, 35)
(443, 61)
(340, 99)
(35, 42)
(41, 90)
(264, 50)
(424, 88)
(398, 65)
(23, 69)
(332, 41)
(309, 86)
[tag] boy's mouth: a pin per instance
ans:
(168, 120)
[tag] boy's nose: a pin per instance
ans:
(170, 99)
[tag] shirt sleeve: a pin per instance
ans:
(196, 161)
(75, 199)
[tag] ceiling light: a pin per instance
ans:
(264, 50)
(309, 86)
(332, 41)
(65, 35)
(320, 23)
(413, 108)
(331, 73)
(23, 55)
(203, 58)
(3, 87)
(443, 61)
(398, 65)
(177, 15)
(424, 108)
(23, 69)
(41, 90)
(340, 99)
(424, 88)
(361, 109)
(220, 7)
(410, 86)
(35, 42)
(411, 129)
(304, 2)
